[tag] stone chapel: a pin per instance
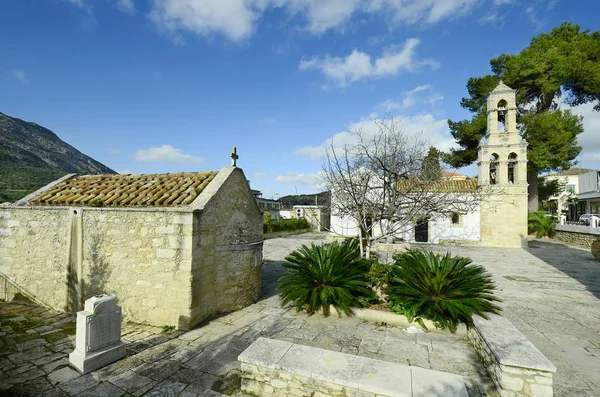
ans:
(174, 249)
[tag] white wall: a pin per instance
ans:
(440, 228)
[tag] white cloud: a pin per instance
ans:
(78, 3)
(237, 19)
(298, 179)
(166, 153)
(434, 99)
(20, 75)
(358, 65)
(503, 2)
(588, 139)
(426, 126)
(410, 100)
(234, 19)
(260, 175)
(126, 6)
(124, 172)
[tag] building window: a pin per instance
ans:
(455, 219)
(571, 188)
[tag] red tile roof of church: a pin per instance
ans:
(118, 190)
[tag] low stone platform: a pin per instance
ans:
(275, 368)
(515, 365)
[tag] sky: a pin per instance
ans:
(156, 86)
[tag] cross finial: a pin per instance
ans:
(234, 157)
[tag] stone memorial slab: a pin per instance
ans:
(98, 338)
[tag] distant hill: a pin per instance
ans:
(305, 199)
(32, 156)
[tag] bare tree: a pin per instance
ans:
(378, 183)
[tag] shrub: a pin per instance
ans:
(286, 225)
(540, 224)
(322, 275)
(444, 289)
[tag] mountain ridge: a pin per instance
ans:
(32, 156)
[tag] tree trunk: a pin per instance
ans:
(532, 196)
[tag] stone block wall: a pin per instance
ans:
(580, 239)
(141, 256)
(511, 381)
(227, 248)
(33, 252)
(263, 381)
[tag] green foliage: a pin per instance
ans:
(558, 66)
(18, 181)
(322, 275)
(267, 219)
(431, 169)
(380, 274)
(286, 225)
(444, 289)
(322, 198)
(540, 224)
(547, 189)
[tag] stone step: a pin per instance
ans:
(272, 367)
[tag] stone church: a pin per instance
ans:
(174, 249)
(499, 219)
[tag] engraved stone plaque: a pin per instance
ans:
(98, 338)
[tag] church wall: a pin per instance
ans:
(33, 252)
(227, 247)
(143, 257)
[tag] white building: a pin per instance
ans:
(589, 192)
(565, 202)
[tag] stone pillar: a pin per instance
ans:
(98, 340)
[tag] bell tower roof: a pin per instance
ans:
(502, 88)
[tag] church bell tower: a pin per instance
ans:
(502, 162)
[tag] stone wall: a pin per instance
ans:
(141, 256)
(33, 252)
(227, 247)
(527, 380)
(580, 239)
(262, 381)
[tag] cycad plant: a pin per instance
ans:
(322, 275)
(444, 289)
(540, 224)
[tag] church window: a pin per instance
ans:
(455, 219)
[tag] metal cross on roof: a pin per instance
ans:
(234, 157)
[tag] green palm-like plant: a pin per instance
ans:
(540, 224)
(322, 275)
(444, 289)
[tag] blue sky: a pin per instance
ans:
(153, 86)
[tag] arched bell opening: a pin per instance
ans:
(512, 168)
(493, 169)
(502, 111)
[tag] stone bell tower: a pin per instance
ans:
(502, 162)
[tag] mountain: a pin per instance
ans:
(305, 199)
(32, 156)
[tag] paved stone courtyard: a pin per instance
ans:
(551, 294)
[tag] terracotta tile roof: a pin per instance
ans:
(117, 190)
(441, 186)
(572, 171)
